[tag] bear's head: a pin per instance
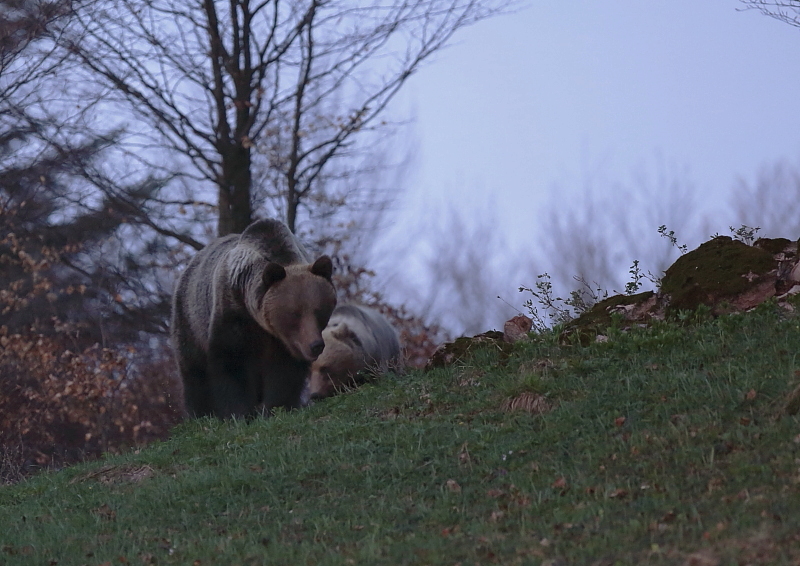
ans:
(340, 361)
(297, 303)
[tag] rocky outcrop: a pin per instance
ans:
(460, 349)
(723, 276)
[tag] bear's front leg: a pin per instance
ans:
(197, 398)
(283, 380)
(228, 388)
(233, 391)
(193, 366)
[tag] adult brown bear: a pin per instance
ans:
(247, 321)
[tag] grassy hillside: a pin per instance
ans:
(666, 445)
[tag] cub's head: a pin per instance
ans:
(297, 304)
(340, 361)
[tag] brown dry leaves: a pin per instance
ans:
(60, 406)
(529, 402)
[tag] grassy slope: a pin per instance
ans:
(699, 470)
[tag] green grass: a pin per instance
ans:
(664, 446)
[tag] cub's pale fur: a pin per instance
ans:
(247, 320)
(357, 338)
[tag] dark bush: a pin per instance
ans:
(58, 407)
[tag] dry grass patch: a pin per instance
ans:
(529, 402)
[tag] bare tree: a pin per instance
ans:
(57, 231)
(771, 201)
(596, 233)
(208, 89)
(24, 61)
(451, 269)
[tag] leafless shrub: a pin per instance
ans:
(11, 469)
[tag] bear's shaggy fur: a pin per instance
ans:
(247, 321)
(356, 338)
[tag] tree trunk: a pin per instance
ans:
(235, 212)
(291, 207)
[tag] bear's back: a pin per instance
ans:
(194, 293)
(275, 242)
(226, 271)
(378, 337)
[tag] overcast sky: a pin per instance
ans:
(523, 107)
(521, 103)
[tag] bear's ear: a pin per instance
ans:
(345, 334)
(273, 273)
(323, 267)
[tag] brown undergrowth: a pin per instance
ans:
(59, 407)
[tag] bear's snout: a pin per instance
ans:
(316, 347)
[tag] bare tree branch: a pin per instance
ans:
(784, 10)
(302, 82)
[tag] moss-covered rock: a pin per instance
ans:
(777, 246)
(460, 349)
(723, 275)
(597, 319)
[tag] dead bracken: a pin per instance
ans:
(528, 402)
(116, 474)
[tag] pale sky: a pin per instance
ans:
(522, 107)
(525, 101)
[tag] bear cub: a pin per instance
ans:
(247, 320)
(357, 338)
